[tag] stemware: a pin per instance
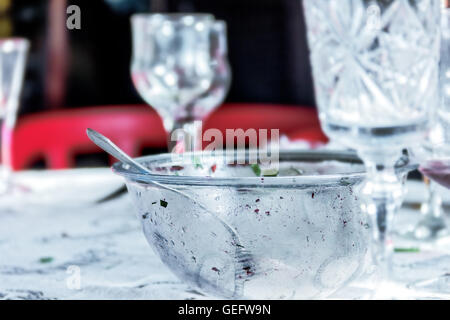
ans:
(13, 53)
(433, 226)
(375, 68)
(172, 67)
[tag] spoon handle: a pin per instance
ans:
(109, 146)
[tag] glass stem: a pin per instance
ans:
(434, 202)
(186, 136)
(383, 194)
(432, 224)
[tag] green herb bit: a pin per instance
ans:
(256, 169)
(406, 250)
(345, 182)
(46, 260)
(163, 203)
(272, 172)
(197, 163)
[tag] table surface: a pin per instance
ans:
(59, 244)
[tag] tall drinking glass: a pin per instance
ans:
(172, 66)
(13, 53)
(375, 68)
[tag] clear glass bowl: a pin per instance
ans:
(232, 234)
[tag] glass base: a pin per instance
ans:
(429, 230)
(422, 260)
(424, 234)
(439, 285)
(425, 272)
(432, 224)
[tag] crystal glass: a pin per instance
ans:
(13, 53)
(437, 147)
(172, 67)
(375, 68)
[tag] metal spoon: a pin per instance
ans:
(243, 259)
(109, 146)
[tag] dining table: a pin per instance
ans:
(57, 241)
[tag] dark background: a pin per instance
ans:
(267, 49)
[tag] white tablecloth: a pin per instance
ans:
(58, 244)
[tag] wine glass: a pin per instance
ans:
(375, 69)
(172, 67)
(13, 54)
(433, 226)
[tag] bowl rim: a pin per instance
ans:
(304, 181)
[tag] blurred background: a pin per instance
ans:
(79, 69)
(76, 68)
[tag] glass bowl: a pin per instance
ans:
(231, 233)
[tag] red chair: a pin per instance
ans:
(57, 136)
